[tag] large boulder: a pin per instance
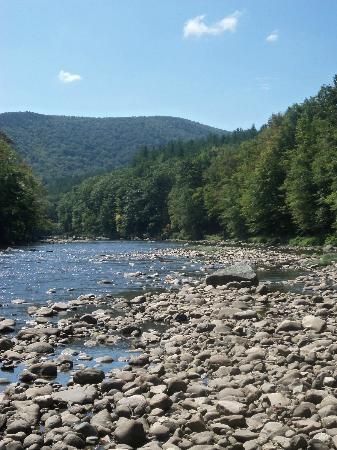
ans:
(88, 376)
(236, 272)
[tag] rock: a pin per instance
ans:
(298, 442)
(231, 407)
(135, 403)
(102, 421)
(88, 318)
(85, 429)
(74, 440)
(53, 421)
(304, 409)
(104, 359)
(26, 411)
(18, 425)
(60, 306)
(236, 272)
(278, 400)
(44, 369)
(313, 323)
(37, 391)
(130, 432)
(13, 445)
(161, 401)
(159, 431)
(27, 377)
(6, 344)
(40, 347)
(176, 385)
(205, 327)
(112, 383)
(216, 361)
(7, 326)
(289, 325)
(196, 424)
(88, 376)
(78, 394)
(44, 312)
(245, 435)
(131, 330)
(33, 439)
(140, 360)
(181, 317)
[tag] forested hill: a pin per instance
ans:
(61, 146)
(279, 183)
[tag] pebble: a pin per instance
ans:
(232, 366)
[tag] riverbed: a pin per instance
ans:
(130, 345)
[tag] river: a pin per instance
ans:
(38, 275)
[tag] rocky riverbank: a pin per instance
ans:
(237, 366)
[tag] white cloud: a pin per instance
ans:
(198, 27)
(67, 77)
(273, 37)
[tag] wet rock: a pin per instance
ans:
(131, 330)
(88, 318)
(6, 344)
(60, 306)
(27, 377)
(44, 312)
(40, 347)
(88, 376)
(7, 326)
(104, 359)
(44, 369)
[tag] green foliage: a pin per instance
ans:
(331, 240)
(64, 150)
(21, 201)
(263, 186)
(305, 241)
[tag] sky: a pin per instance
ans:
(225, 63)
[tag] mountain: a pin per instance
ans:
(57, 147)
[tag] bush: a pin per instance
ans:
(305, 241)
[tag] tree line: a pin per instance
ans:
(22, 200)
(278, 183)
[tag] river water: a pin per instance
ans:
(44, 273)
(61, 272)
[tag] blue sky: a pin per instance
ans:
(225, 63)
